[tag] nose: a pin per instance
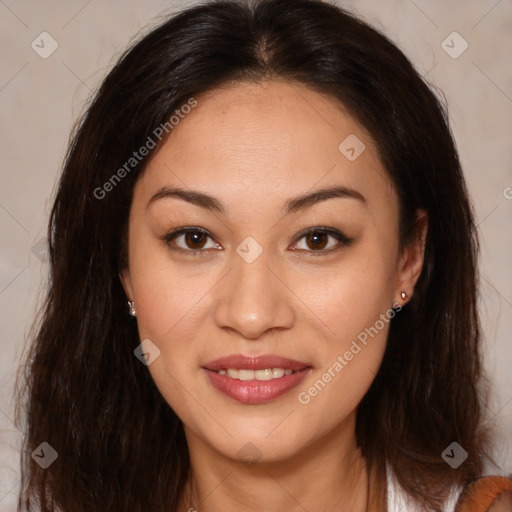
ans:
(254, 298)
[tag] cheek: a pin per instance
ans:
(168, 313)
(354, 294)
(168, 294)
(168, 306)
(349, 351)
(341, 384)
(355, 303)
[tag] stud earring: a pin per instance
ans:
(131, 308)
(403, 295)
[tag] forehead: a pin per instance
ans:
(259, 141)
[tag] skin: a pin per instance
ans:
(254, 146)
(503, 503)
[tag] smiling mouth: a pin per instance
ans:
(264, 374)
(247, 388)
(251, 379)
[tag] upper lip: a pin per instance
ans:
(242, 362)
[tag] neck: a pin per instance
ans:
(329, 475)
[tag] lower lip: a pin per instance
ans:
(255, 391)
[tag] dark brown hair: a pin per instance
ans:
(120, 446)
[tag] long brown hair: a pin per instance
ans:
(120, 446)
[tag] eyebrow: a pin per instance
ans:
(290, 206)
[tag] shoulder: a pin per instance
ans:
(486, 494)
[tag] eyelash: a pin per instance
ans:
(338, 235)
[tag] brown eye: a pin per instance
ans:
(189, 240)
(195, 240)
(322, 240)
(319, 240)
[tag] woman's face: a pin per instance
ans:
(310, 280)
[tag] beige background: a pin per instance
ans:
(40, 99)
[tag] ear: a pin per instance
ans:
(411, 259)
(126, 281)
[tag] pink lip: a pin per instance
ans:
(242, 362)
(255, 391)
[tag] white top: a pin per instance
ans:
(398, 500)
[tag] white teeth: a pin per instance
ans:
(266, 374)
(246, 374)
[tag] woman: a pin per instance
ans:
(272, 193)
